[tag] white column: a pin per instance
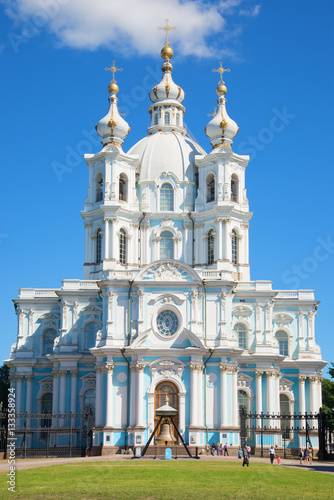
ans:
(258, 395)
(319, 393)
(140, 394)
(277, 398)
(98, 396)
(74, 390)
(223, 395)
(155, 246)
(62, 391)
(29, 393)
(133, 396)
(106, 238)
(193, 395)
(235, 405)
(182, 410)
(55, 391)
(18, 393)
(200, 395)
(313, 394)
(270, 396)
(302, 406)
(109, 394)
(220, 239)
(135, 243)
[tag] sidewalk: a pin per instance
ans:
(21, 464)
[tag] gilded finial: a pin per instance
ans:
(113, 87)
(221, 70)
(167, 28)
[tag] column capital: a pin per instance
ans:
(140, 367)
(313, 379)
(225, 368)
(98, 368)
(258, 373)
(63, 372)
(269, 374)
(196, 366)
(109, 367)
(74, 372)
(302, 379)
(29, 377)
(19, 376)
(277, 374)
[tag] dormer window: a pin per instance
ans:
(167, 118)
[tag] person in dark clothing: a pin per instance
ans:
(245, 456)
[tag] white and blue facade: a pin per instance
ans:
(166, 304)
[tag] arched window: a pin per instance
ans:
(210, 188)
(46, 407)
(89, 400)
(98, 255)
(166, 197)
(234, 187)
(91, 330)
(155, 119)
(234, 243)
(99, 187)
(48, 339)
(243, 401)
(284, 405)
(166, 245)
(241, 332)
(283, 342)
(123, 187)
(122, 246)
(211, 247)
(167, 118)
(177, 119)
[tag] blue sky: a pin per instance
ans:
(280, 92)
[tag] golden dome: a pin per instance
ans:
(221, 89)
(167, 52)
(113, 88)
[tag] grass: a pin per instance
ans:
(160, 480)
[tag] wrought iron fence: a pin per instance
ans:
(287, 433)
(48, 434)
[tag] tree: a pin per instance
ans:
(4, 385)
(328, 397)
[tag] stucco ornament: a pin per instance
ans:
(167, 272)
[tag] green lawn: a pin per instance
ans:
(159, 480)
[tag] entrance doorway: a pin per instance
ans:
(161, 391)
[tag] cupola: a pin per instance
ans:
(221, 129)
(113, 128)
(166, 111)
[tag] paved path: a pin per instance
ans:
(325, 467)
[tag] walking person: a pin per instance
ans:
(248, 448)
(306, 455)
(278, 458)
(207, 449)
(245, 456)
(239, 453)
(310, 455)
(301, 456)
(221, 449)
(225, 450)
(271, 454)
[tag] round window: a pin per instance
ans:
(167, 323)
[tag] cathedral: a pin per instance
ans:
(166, 305)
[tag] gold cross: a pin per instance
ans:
(214, 112)
(113, 69)
(167, 28)
(221, 70)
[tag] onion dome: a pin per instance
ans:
(167, 89)
(113, 128)
(221, 129)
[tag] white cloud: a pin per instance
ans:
(130, 26)
(251, 12)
